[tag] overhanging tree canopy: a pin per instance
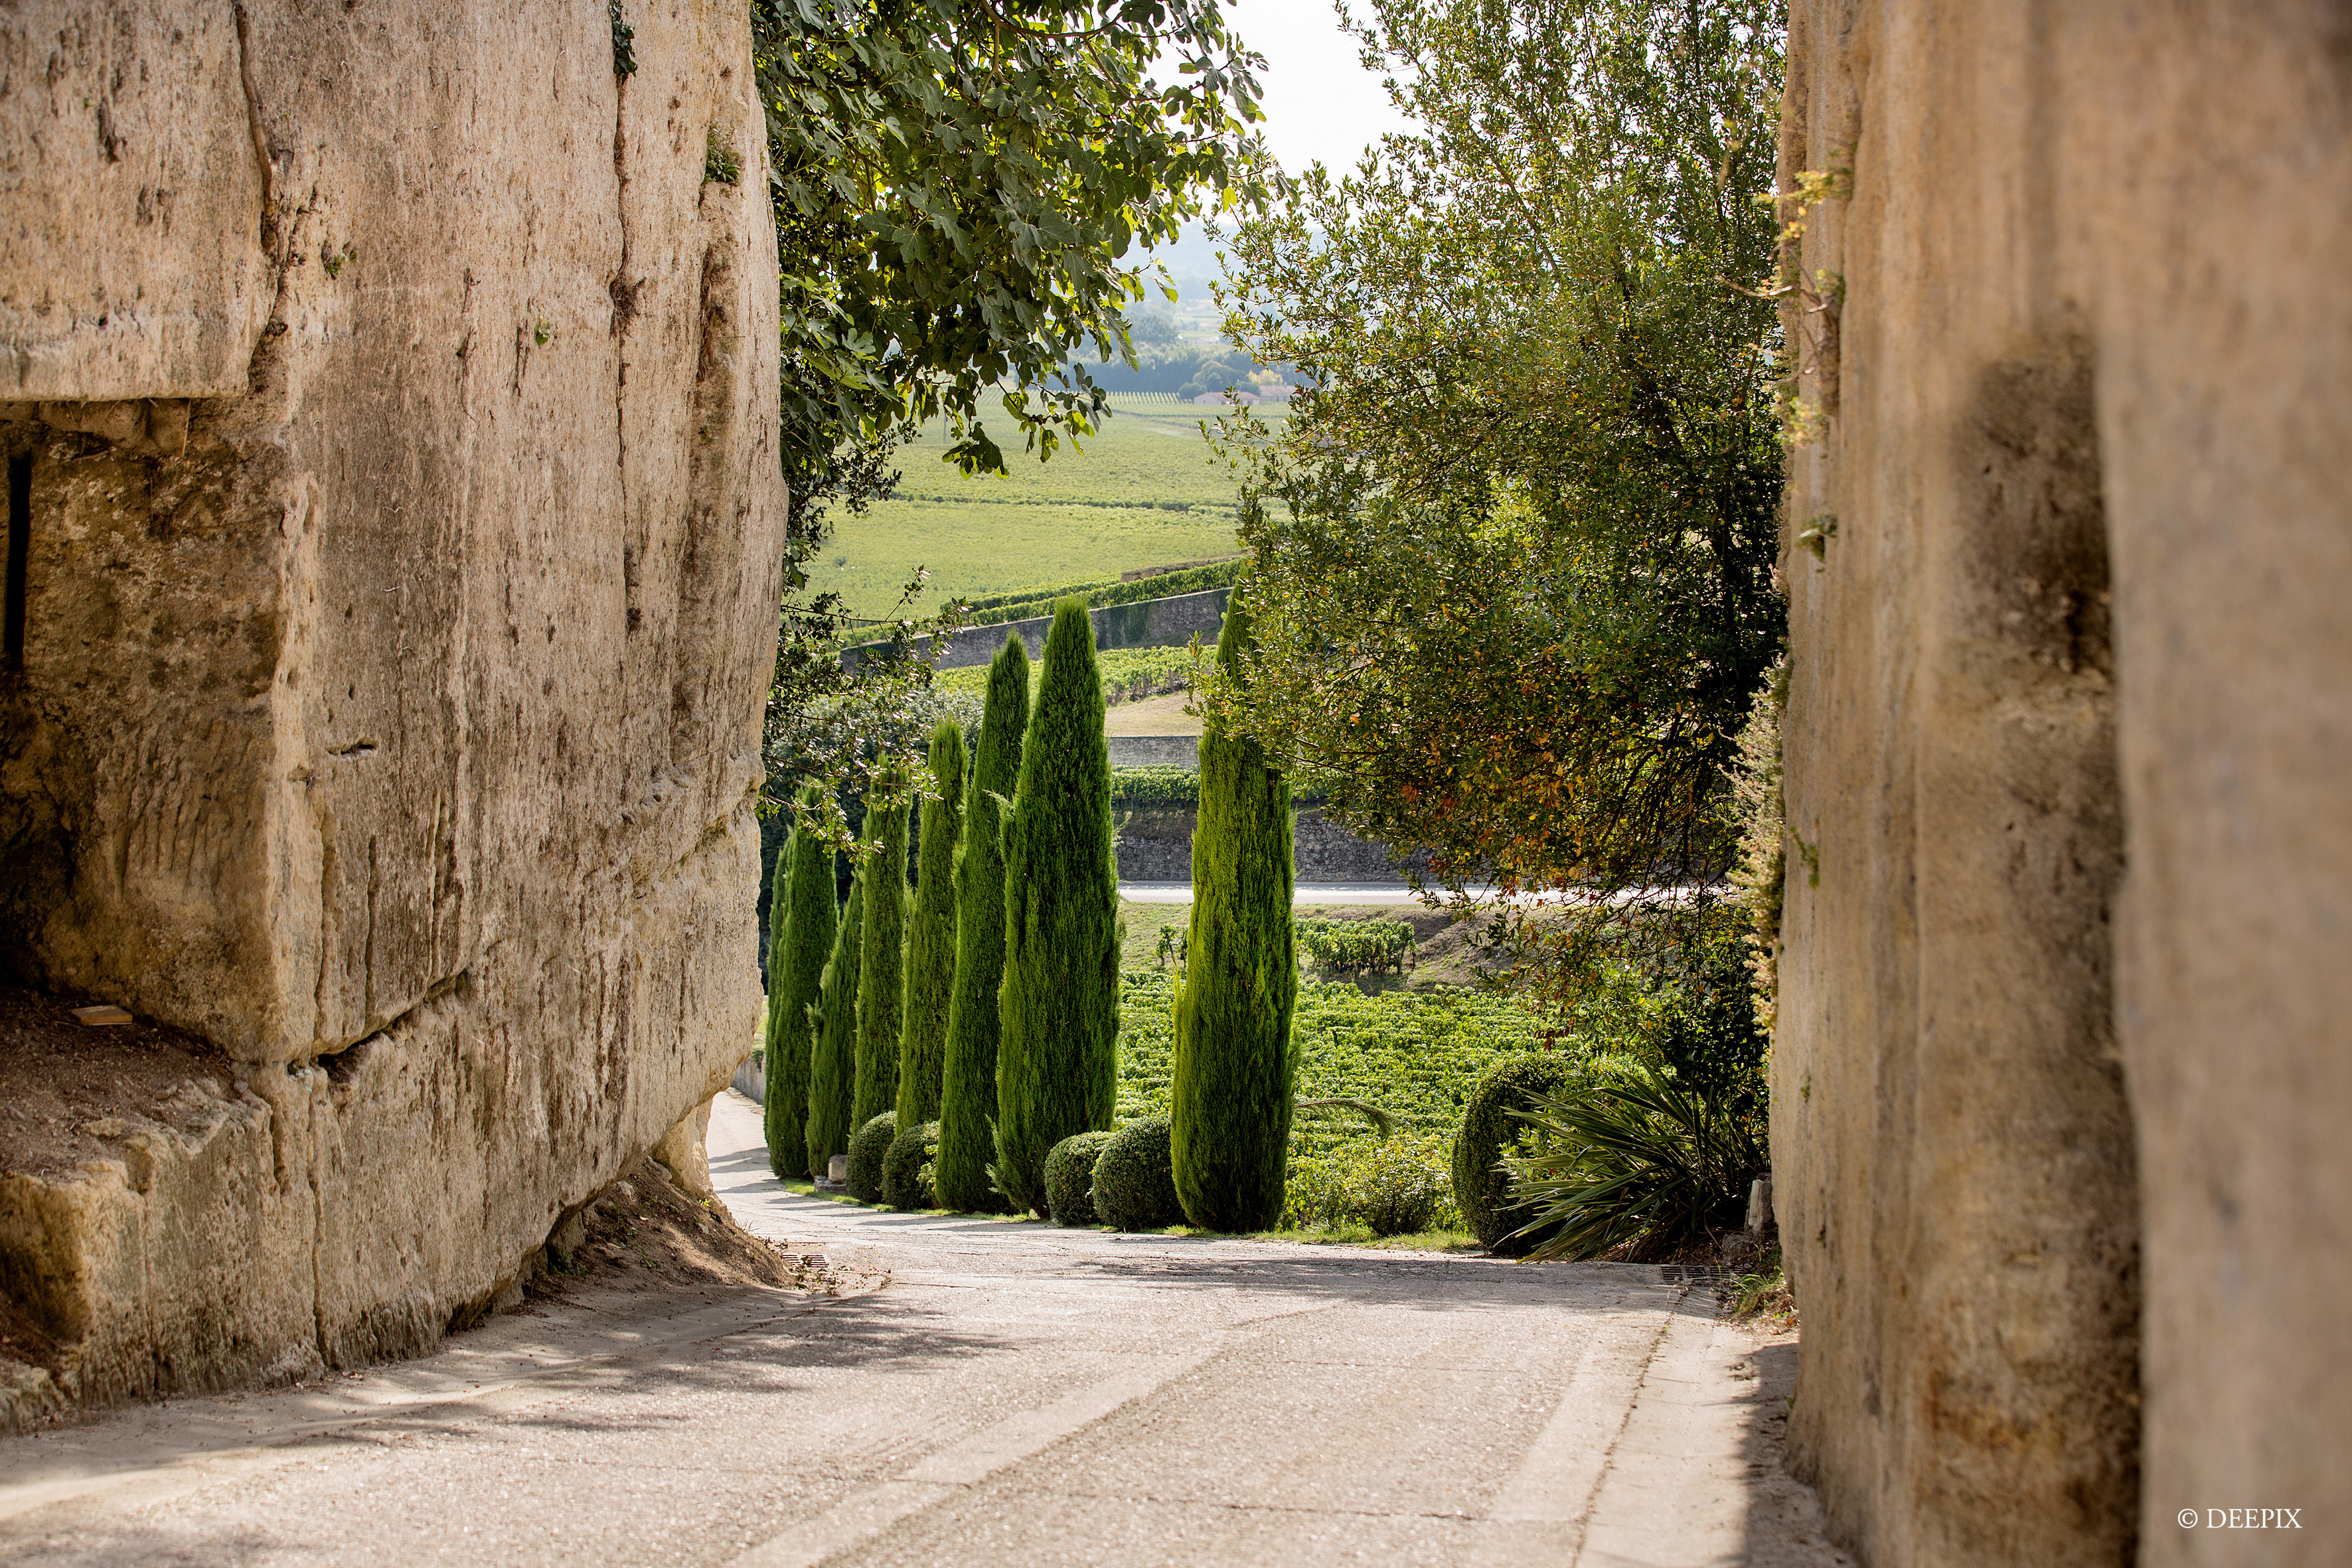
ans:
(1514, 546)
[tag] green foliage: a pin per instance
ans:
(719, 162)
(881, 986)
(1761, 872)
(1056, 1065)
(801, 920)
(968, 1096)
(1127, 673)
(932, 939)
(907, 1170)
(867, 1148)
(1356, 947)
(1135, 1179)
(1415, 1053)
(1070, 1178)
(1513, 548)
(1231, 1102)
(1156, 786)
(1145, 493)
(1028, 604)
(1491, 1129)
(954, 187)
(1636, 1164)
(833, 1066)
(1393, 1186)
(625, 39)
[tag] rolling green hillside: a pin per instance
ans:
(1144, 491)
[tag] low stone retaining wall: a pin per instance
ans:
(1155, 845)
(1156, 752)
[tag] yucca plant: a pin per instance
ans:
(1637, 1162)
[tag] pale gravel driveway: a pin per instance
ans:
(1016, 1395)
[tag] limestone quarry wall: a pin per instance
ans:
(390, 404)
(2063, 1066)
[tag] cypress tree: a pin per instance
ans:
(1057, 1059)
(833, 1064)
(881, 985)
(1231, 1105)
(802, 919)
(932, 939)
(968, 1097)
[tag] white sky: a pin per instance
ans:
(1320, 101)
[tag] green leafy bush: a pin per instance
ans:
(867, 1147)
(906, 1167)
(1393, 1186)
(1417, 1054)
(1070, 1178)
(1490, 1128)
(1356, 947)
(1155, 786)
(1636, 1162)
(1135, 1178)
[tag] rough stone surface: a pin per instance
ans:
(2060, 1080)
(395, 405)
(1155, 845)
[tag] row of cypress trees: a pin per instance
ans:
(993, 1007)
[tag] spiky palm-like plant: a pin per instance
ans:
(932, 939)
(802, 919)
(881, 987)
(968, 1097)
(1231, 1104)
(833, 1062)
(1058, 1059)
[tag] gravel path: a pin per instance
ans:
(1014, 1394)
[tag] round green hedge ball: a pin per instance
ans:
(867, 1145)
(1135, 1178)
(906, 1168)
(1070, 1178)
(1482, 1191)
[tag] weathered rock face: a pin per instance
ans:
(2061, 1076)
(391, 416)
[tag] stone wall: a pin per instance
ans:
(390, 407)
(2061, 1069)
(1155, 845)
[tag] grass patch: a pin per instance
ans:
(1146, 490)
(1413, 1053)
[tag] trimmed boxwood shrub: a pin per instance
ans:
(907, 1168)
(866, 1148)
(1481, 1186)
(1135, 1178)
(1070, 1178)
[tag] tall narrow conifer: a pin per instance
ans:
(1057, 1061)
(833, 1064)
(1231, 1105)
(802, 919)
(967, 1098)
(931, 938)
(881, 985)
